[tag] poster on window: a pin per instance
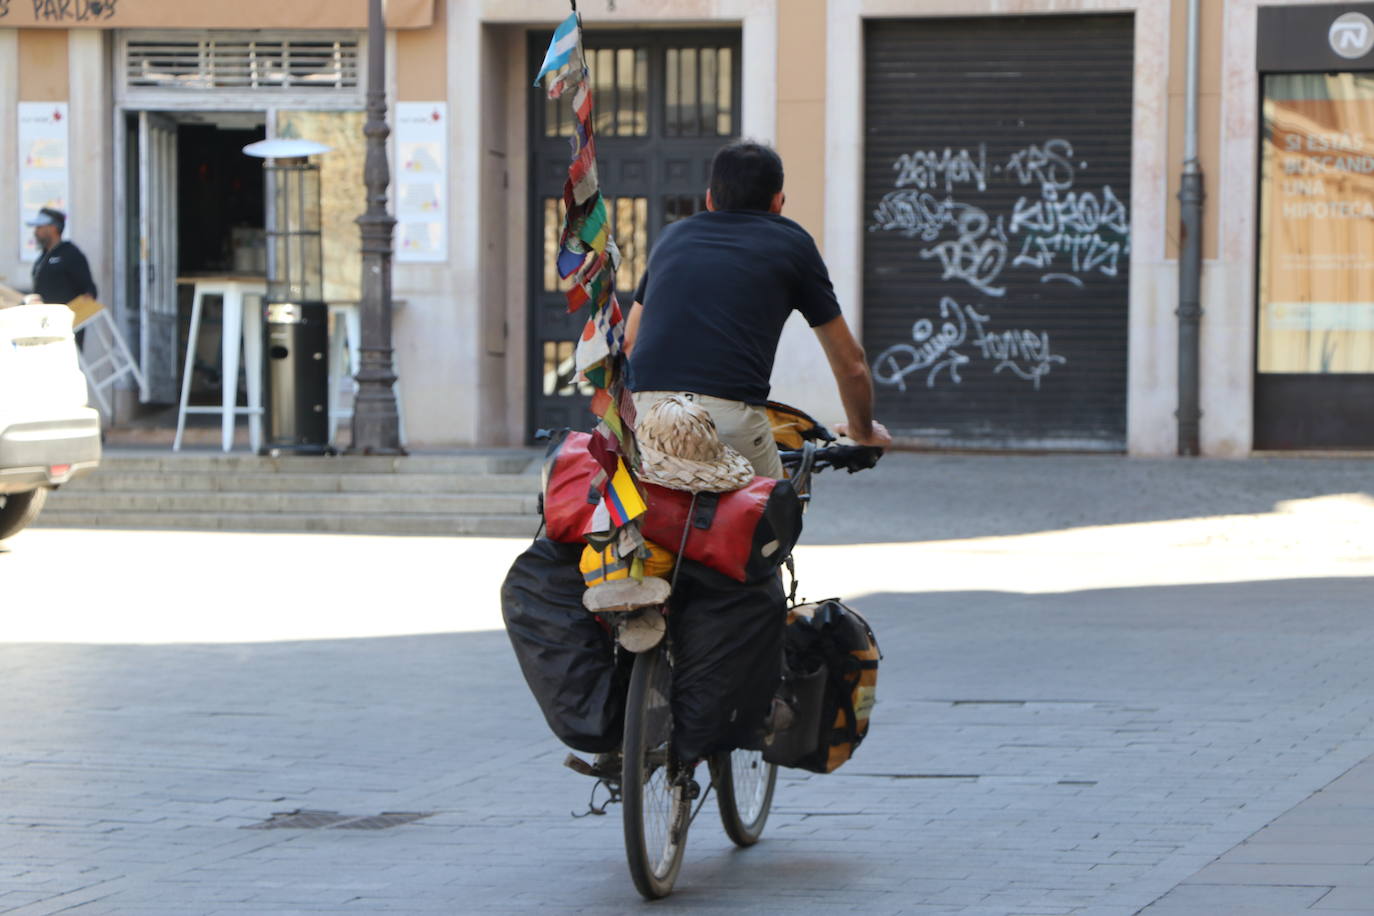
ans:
(43, 181)
(421, 181)
(1316, 283)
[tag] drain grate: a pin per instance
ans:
(333, 820)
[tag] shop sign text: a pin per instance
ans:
(61, 11)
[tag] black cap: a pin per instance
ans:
(49, 216)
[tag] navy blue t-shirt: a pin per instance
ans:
(717, 292)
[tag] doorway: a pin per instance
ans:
(196, 209)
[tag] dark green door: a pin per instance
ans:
(663, 104)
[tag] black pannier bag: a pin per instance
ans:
(830, 675)
(567, 657)
(727, 659)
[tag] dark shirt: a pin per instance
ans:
(61, 274)
(716, 295)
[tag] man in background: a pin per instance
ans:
(61, 272)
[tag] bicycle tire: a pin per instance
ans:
(656, 812)
(744, 793)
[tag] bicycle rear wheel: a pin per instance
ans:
(656, 811)
(744, 793)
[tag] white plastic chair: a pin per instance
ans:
(114, 363)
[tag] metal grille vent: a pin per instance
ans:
(241, 63)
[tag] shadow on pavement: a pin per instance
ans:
(916, 497)
(1074, 721)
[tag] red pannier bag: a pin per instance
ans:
(745, 534)
(569, 498)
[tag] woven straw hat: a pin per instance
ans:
(680, 449)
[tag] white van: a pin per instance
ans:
(47, 433)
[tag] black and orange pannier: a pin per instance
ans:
(830, 679)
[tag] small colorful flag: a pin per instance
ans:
(562, 48)
(622, 497)
(569, 261)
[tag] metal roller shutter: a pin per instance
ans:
(996, 202)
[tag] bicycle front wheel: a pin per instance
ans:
(656, 811)
(744, 793)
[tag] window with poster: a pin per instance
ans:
(1316, 278)
(1314, 321)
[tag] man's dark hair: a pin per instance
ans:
(745, 176)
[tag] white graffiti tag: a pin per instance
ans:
(924, 169)
(977, 254)
(1063, 233)
(1050, 166)
(1056, 232)
(1089, 232)
(929, 349)
(1024, 353)
(915, 214)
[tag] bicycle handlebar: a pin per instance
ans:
(852, 458)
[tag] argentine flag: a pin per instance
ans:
(561, 48)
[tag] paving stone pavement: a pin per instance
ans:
(1318, 857)
(1117, 688)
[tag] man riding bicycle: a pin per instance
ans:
(710, 309)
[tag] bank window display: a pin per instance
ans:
(1316, 277)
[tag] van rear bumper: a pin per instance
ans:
(46, 453)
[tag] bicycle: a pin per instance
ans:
(656, 790)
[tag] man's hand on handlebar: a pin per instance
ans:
(878, 437)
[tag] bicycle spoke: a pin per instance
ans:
(751, 783)
(745, 794)
(656, 810)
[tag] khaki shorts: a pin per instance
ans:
(743, 427)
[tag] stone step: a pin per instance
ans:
(425, 525)
(487, 492)
(292, 503)
(108, 480)
(494, 461)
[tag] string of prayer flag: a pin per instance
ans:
(589, 257)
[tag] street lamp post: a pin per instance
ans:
(376, 424)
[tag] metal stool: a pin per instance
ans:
(238, 326)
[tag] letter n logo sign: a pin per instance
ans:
(1351, 35)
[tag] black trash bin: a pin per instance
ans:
(296, 370)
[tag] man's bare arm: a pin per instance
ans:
(850, 367)
(632, 326)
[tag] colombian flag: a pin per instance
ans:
(622, 496)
